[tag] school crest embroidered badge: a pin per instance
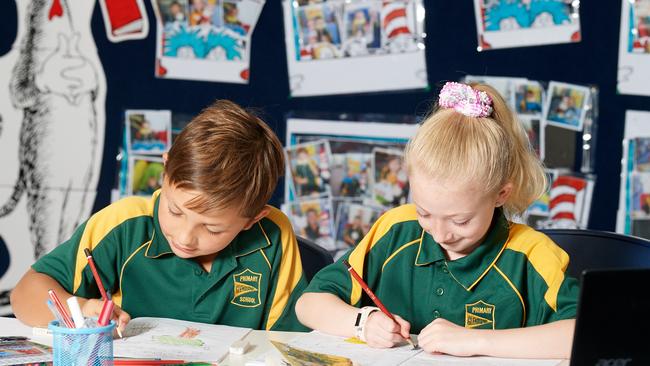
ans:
(479, 315)
(246, 288)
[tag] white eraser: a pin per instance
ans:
(238, 347)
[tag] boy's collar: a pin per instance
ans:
(159, 245)
(469, 270)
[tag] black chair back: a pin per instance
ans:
(313, 257)
(591, 249)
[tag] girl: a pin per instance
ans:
(451, 266)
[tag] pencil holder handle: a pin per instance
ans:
(82, 346)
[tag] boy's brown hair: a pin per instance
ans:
(228, 154)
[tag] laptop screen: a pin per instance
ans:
(613, 319)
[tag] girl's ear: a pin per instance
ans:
(503, 195)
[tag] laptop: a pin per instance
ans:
(613, 319)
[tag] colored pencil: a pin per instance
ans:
(93, 268)
(372, 296)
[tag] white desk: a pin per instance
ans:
(257, 339)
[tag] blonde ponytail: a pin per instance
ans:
(488, 151)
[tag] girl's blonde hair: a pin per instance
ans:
(487, 152)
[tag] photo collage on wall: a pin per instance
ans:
(147, 135)
(634, 198)
(361, 38)
(634, 48)
(205, 39)
(338, 184)
(556, 119)
(521, 23)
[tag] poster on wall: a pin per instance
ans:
(634, 48)
(522, 23)
(52, 119)
(207, 40)
(349, 172)
(343, 47)
(633, 216)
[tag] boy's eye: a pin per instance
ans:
(213, 232)
(422, 214)
(462, 223)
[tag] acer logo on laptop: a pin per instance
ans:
(613, 362)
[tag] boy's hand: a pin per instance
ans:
(382, 332)
(92, 308)
(443, 336)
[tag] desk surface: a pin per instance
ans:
(257, 339)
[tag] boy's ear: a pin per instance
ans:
(504, 194)
(164, 156)
(265, 211)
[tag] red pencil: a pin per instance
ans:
(372, 295)
(59, 306)
(91, 262)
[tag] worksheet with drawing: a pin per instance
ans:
(176, 339)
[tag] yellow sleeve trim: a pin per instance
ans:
(290, 267)
(521, 299)
(378, 230)
(546, 257)
(101, 223)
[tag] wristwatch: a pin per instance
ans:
(362, 317)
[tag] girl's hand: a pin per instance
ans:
(382, 332)
(92, 308)
(443, 336)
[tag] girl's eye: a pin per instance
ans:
(213, 232)
(422, 214)
(174, 213)
(462, 223)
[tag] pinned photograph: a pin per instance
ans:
(566, 105)
(528, 98)
(353, 223)
(148, 131)
(362, 27)
(310, 167)
(521, 23)
(320, 36)
(642, 154)
(639, 41)
(205, 39)
(312, 219)
(390, 181)
(146, 175)
(640, 195)
(535, 132)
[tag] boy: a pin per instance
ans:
(204, 248)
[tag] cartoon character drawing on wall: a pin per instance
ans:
(58, 84)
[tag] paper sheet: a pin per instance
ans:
(360, 353)
(176, 339)
(428, 359)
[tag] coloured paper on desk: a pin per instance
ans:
(22, 352)
(360, 353)
(176, 339)
(427, 359)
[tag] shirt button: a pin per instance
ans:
(436, 314)
(197, 272)
(440, 291)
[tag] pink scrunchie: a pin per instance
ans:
(465, 99)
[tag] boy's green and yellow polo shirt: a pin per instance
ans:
(254, 282)
(515, 278)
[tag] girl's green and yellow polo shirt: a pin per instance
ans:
(515, 278)
(254, 282)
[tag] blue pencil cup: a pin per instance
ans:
(83, 346)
